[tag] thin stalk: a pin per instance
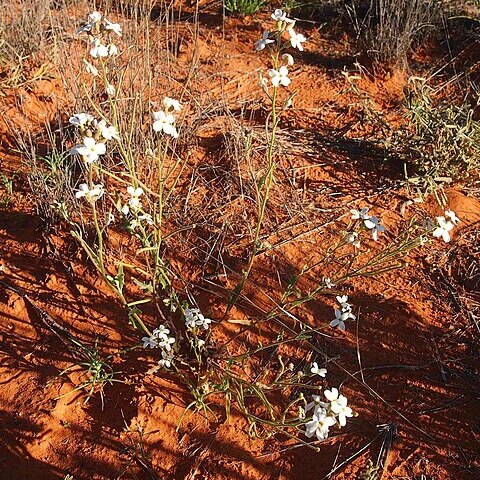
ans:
(273, 118)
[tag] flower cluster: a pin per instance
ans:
(98, 29)
(327, 414)
(194, 318)
(94, 134)
(134, 203)
(132, 209)
(90, 194)
(369, 222)
(343, 313)
(164, 120)
(273, 40)
(160, 339)
(445, 224)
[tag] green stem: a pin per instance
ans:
(273, 118)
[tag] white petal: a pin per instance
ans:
(158, 125)
(100, 148)
(331, 395)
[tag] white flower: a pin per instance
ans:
(318, 371)
(134, 203)
(319, 425)
(165, 123)
(92, 69)
(279, 15)
(343, 301)
(166, 360)
(94, 17)
(373, 224)
(280, 76)
(81, 119)
(190, 318)
(317, 404)
(110, 132)
(341, 318)
(331, 395)
(110, 90)
(263, 42)
(288, 59)
(83, 191)
(150, 342)
(147, 218)
(160, 339)
(443, 229)
(451, 215)
(98, 49)
(352, 237)
(90, 150)
(114, 27)
(107, 132)
(195, 318)
(296, 39)
(203, 321)
(91, 195)
(112, 49)
(133, 224)
(360, 215)
(301, 413)
(338, 405)
(161, 331)
(166, 342)
(328, 282)
(171, 104)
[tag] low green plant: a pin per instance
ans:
(371, 472)
(96, 369)
(243, 7)
(441, 142)
(7, 184)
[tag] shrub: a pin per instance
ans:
(442, 140)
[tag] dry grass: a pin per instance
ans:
(390, 28)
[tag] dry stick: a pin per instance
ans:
(390, 435)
